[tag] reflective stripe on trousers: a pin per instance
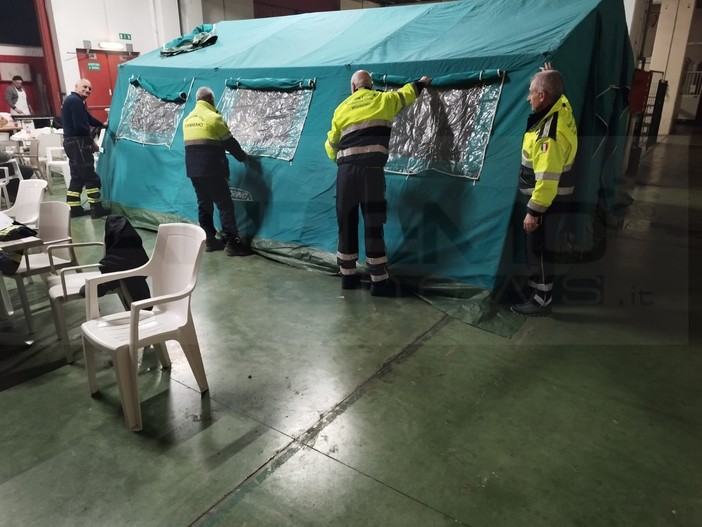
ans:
(361, 187)
(79, 151)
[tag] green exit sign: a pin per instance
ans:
(94, 66)
(125, 36)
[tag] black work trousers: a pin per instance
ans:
(211, 191)
(79, 151)
(541, 245)
(364, 187)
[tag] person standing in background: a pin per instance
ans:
(79, 146)
(16, 97)
(547, 179)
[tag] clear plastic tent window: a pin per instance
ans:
(147, 119)
(266, 122)
(446, 129)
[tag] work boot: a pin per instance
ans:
(213, 243)
(384, 288)
(77, 212)
(97, 210)
(235, 247)
(352, 281)
(538, 305)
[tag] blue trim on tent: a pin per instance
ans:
(169, 92)
(271, 84)
(442, 81)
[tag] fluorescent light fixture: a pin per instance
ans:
(114, 46)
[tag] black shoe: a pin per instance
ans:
(531, 310)
(384, 288)
(213, 244)
(235, 247)
(97, 211)
(352, 281)
(538, 305)
(77, 212)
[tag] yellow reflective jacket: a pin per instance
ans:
(361, 126)
(207, 137)
(548, 151)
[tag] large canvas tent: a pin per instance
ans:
(452, 179)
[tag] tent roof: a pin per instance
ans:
(382, 35)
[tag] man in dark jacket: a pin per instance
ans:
(79, 146)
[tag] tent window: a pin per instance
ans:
(266, 122)
(447, 129)
(147, 119)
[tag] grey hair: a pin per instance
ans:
(550, 82)
(204, 93)
(362, 79)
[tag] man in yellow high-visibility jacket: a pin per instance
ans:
(358, 142)
(207, 139)
(548, 152)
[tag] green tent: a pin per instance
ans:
(452, 177)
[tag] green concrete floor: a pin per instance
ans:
(336, 408)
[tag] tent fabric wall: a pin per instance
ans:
(450, 229)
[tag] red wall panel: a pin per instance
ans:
(268, 8)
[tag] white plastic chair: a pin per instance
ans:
(56, 158)
(5, 178)
(98, 143)
(173, 269)
(100, 138)
(54, 226)
(26, 207)
(65, 285)
(37, 154)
